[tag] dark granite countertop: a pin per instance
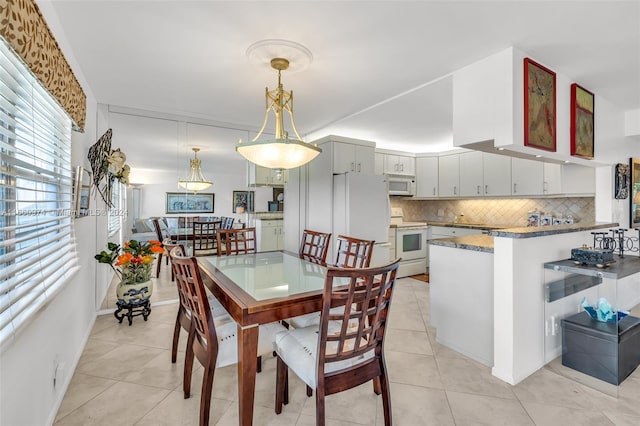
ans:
(543, 231)
(468, 225)
(480, 242)
(622, 267)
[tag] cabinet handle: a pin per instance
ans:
(545, 186)
(515, 189)
(434, 191)
(455, 190)
(359, 167)
(486, 189)
(478, 190)
(353, 167)
(402, 167)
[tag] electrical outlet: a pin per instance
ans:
(440, 212)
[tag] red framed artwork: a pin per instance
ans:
(539, 106)
(582, 135)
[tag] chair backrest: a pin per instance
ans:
(314, 246)
(353, 252)
(160, 235)
(195, 301)
(204, 237)
(226, 222)
(350, 333)
(236, 241)
(187, 221)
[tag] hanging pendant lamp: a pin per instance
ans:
(195, 181)
(280, 152)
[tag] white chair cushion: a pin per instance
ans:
(307, 320)
(298, 348)
(228, 341)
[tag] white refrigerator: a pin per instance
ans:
(361, 209)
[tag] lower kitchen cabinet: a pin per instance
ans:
(269, 235)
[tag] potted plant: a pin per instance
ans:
(132, 264)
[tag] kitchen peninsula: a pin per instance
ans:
(487, 293)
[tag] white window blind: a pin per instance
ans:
(37, 249)
(115, 211)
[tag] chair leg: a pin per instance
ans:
(386, 396)
(309, 391)
(188, 365)
(376, 385)
(259, 365)
(319, 406)
(286, 386)
(158, 264)
(281, 384)
(176, 338)
(205, 397)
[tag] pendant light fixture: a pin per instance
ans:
(195, 181)
(280, 152)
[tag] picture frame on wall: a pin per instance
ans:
(243, 201)
(634, 193)
(81, 191)
(539, 106)
(623, 175)
(186, 202)
(582, 122)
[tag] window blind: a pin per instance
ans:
(115, 211)
(37, 248)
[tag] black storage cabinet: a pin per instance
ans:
(600, 349)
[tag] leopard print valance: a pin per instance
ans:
(24, 28)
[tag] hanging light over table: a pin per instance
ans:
(195, 181)
(279, 152)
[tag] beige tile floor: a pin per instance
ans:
(125, 377)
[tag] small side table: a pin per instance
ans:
(132, 310)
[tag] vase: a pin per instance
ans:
(134, 294)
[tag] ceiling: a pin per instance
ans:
(380, 70)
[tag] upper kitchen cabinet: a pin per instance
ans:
(354, 158)
(399, 165)
(264, 176)
(378, 167)
(526, 177)
(497, 174)
(552, 178)
(427, 177)
(449, 176)
(578, 180)
(471, 174)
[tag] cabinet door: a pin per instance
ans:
(471, 174)
(391, 164)
(552, 174)
(365, 159)
(578, 179)
(263, 175)
(379, 164)
(497, 174)
(427, 176)
(344, 157)
(526, 177)
(279, 237)
(448, 176)
(407, 165)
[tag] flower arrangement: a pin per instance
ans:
(109, 165)
(132, 263)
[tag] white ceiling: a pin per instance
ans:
(379, 69)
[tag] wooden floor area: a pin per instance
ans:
(421, 277)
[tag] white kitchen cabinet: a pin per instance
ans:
(399, 164)
(552, 178)
(526, 177)
(269, 235)
(427, 176)
(353, 158)
(378, 167)
(264, 176)
(578, 180)
(449, 176)
(452, 231)
(471, 174)
(497, 174)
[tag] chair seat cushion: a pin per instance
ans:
(228, 341)
(312, 319)
(298, 348)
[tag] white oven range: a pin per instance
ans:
(409, 242)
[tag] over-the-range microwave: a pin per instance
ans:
(401, 185)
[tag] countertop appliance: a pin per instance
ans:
(410, 244)
(361, 210)
(401, 185)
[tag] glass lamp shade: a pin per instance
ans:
(278, 153)
(195, 181)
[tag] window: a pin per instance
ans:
(116, 209)
(37, 252)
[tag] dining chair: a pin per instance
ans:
(204, 238)
(162, 236)
(187, 221)
(212, 343)
(351, 253)
(236, 241)
(183, 318)
(226, 222)
(314, 246)
(348, 348)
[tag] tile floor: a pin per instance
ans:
(125, 377)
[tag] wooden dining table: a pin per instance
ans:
(257, 289)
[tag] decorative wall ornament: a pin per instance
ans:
(107, 165)
(23, 27)
(539, 106)
(582, 122)
(623, 174)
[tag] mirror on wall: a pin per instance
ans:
(634, 219)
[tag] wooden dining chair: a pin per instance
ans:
(236, 241)
(204, 238)
(348, 348)
(314, 246)
(212, 343)
(162, 236)
(226, 222)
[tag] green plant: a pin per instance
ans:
(132, 262)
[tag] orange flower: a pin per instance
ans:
(155, 243)
(157, 249)
(126, 244)
(123, 259)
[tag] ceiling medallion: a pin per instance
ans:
(261, 53)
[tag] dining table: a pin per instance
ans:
(256, 289)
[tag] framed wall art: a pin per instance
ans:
(82, 191)
(634, 192)
(183, 202)
(243, 201)
(622, 181)
(582, 135)
(539, 106)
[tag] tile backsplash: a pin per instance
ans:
(498, 212)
